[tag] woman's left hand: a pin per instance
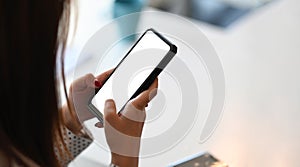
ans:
(81, 91)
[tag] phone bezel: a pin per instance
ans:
(148, 81)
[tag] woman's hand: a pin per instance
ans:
(81, 91)
(123, 131)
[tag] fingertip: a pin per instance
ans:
(153, 93)
(109, 109)
(99, 125)
(109, 104)
(154, 84)
(156, 81)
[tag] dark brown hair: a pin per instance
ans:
(29, 114)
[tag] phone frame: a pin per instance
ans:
(148, 81)
(202, 155)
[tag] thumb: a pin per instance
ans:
(141, 101)
(110, 111)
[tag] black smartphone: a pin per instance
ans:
(151, 53)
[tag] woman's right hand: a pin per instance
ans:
(123, 131)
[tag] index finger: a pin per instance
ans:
(102, 77)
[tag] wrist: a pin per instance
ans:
(121, 160)
(71, 121)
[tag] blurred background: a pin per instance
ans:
(217, 12)
(257, 42)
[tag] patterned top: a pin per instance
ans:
(75, 145)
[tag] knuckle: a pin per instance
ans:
(89, 75)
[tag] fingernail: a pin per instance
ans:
(108, 104)
(99, 125)
(97, 83)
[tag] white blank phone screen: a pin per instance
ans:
(132, 72)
